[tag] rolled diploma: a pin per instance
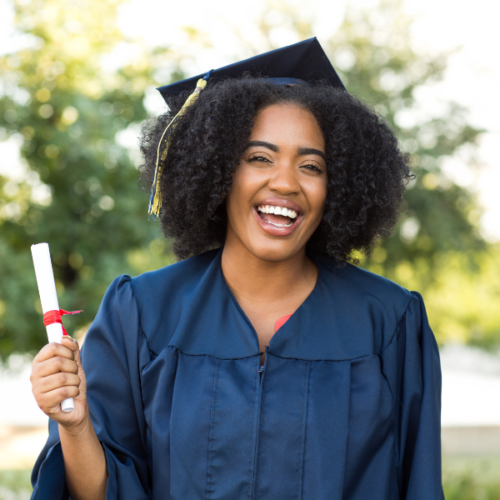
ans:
(48, 298)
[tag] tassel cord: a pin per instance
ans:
(155, 197)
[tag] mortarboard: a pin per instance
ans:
(299, 63)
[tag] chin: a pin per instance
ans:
(278, 251)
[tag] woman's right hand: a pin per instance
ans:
(57, 374)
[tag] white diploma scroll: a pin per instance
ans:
(48, 298)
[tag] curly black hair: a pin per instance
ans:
(367, 173)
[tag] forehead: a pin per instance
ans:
(288, 124)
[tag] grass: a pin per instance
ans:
(15, 484)
(471, 478)
(464, 478)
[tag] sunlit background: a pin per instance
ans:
(77, 78)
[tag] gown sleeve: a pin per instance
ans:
(412, 363)
(112, 354)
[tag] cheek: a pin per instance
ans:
(246, 182)
(238, 193)
(317, 195)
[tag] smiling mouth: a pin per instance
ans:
(277, 216)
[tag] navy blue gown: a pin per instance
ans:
(347, 405)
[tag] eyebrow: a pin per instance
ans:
(312, 151)
(273, 147)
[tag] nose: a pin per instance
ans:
(284, 179)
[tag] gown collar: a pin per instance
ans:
(281, 321)
(350, 313)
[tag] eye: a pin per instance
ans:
(259, 158)
(312, 167)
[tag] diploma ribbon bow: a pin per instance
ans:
(54, 316)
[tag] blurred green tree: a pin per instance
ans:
(65, 108)
(380, 66)
(71, 111)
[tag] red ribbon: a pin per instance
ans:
(51, 317)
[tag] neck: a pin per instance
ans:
(264, 282)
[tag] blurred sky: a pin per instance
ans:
(472, 78)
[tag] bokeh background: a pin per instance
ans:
(77, 79)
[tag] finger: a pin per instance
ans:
(81, 373)
(78, 359)
(49, 402)
(70, 343)
(54, 365)
(61, 379)
(53, 349)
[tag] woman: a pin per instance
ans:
(263, 365)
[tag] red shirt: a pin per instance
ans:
(279, 323)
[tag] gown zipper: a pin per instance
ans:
(261, 371)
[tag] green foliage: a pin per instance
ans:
(379, 66)
(15, 484)
(64, 106)
(471, 478)
(462, 297)
(68, 111)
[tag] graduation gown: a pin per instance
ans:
(347, 405)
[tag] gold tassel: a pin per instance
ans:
(155, 197)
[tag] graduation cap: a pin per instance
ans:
(305, 61)
(297, 64)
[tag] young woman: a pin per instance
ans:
(263, 365)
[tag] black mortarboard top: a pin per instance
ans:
(304, 61)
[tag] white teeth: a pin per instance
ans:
(271, 209)
(280, 225)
